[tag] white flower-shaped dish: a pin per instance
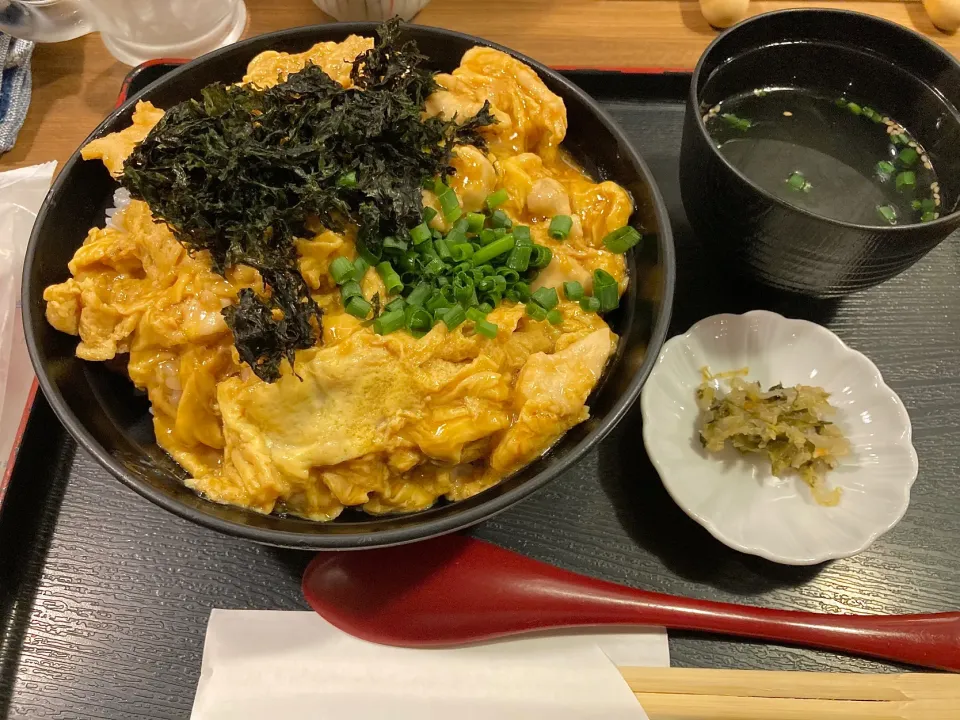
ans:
(735, 496)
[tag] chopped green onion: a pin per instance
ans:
(499, 219)
(854, 108)
(888, 213)
(437, 301)
(443, 250)
(487, 236)
(622, 239)
(462, 288)
(392, 243)
(500, 232)
(429, 214)
(347, 180)
(434, 267)
(927, 205)
(546, 298)
(572, 290)
(841, 102)
(417, 319)
(456, 237)
(519, 259)
(449, 205)
(462, 225)
(512, 295)
(358, 307)
(906, 179)
(497, 247)
(498, 198)
(493, 298)
(420, 234)
(908, 156)
(523, 291)
(371, 257)
(555, 317)
(454, 316)
(606, 290)
(389, 322)
(589, 304)
(390, 278)
(475, 222)
(541, 256)
(461, 252)
(436, 234)
(420, 294)
(521, 233)
(407, 262)
(395, 304)
(536, 311)
(732, 120)
(928, 216)
(342, 270)
(350, 289)
(797, 181)
(506, 276)
(360, 265)
(885, 168)
(900, 139)
(487, 329)
(427, 249)
(476, 314)
(485, 307)
(560, 227)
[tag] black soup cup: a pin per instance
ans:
(111, 420)
(830, 51)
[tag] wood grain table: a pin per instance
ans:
(75, 83)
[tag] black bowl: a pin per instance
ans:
(841, 52)
(110, 419)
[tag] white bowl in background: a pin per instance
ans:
(353, 10)
(735, 496)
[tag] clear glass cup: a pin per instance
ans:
(43, 20)
(139, 30)
(133, 30)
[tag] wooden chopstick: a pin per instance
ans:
(813, 685)
(703, 694)
(660, 706)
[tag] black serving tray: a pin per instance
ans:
(104, 597)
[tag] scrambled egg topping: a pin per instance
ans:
(389, 423)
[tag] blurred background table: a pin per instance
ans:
(75, 83)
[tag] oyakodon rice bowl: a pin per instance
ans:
(331, 343)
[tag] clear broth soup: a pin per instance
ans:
(833, 156)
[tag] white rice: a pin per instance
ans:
(121, 198)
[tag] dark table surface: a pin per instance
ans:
(105, 597)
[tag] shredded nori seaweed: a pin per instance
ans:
(241, 172)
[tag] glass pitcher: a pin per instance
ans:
(133, 30)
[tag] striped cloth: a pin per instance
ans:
(15, 85)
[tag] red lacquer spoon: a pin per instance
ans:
(454, 590)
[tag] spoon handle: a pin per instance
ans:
(931, 640)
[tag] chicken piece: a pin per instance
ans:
(316, 255)
(563, 268)
(530, 117)
(474, 177)
(602, 208)
(335, 59)
(547, 198)
(549, 398)
(113, 149)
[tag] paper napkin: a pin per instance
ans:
(295, 665)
